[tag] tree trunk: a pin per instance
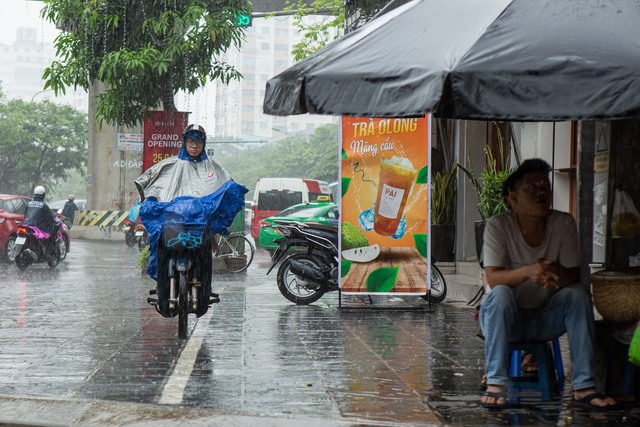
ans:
(167, 93)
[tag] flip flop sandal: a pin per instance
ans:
(586, 403)
(529, 366)
(483, 383)
(496, 395)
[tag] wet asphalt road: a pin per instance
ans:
(79, 345)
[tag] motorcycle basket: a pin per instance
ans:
(183, 236)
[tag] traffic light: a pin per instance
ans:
(242, 19)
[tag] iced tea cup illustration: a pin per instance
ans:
(396, 178)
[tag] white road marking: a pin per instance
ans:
(173, 391)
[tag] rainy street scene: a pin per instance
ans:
(320, 212)
(81, 346)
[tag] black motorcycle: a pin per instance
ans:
(305, 276)
(29, 249)
(184, 274)
(130, 233)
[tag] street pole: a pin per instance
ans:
(38, 93)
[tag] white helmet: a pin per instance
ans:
(39, 190)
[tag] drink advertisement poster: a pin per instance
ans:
(162, 136)
(384, 218)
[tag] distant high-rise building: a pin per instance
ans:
(265, 53)
(21, 66)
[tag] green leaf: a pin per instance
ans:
(345, 266)
(423, 176)
(382, 279)
(345, 185)
(344, 154)
(420, 240)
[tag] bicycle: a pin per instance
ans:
(236, 250)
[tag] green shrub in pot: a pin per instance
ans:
(443, 197)
(488, 185)
(443, 215)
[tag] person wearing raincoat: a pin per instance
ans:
(40, 217)
(132, 216)
(189, 188)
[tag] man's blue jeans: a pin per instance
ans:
(567, 310)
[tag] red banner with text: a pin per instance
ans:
(385, 201)
(162, 136)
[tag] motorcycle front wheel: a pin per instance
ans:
(183, 304)
(62, 244)
(438, 286)
(295, 289)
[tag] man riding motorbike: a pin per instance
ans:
(39, 215)
(214, 199)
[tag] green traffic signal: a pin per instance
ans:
(242, 19)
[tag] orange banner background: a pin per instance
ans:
(365, 141)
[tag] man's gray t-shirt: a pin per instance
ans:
(504, 246)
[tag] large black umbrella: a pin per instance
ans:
(476, 59)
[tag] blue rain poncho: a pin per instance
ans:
(215, 211)
(183, 190)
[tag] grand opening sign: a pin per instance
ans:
(162, 136)
(385, 201)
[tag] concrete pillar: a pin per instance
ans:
(110, 172)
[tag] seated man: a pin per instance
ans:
(532, 267)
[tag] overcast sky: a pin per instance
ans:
(23, 13)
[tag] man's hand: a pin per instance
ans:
(545, 273)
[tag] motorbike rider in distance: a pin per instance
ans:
(69, 210)
(40, 216)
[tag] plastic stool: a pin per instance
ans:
(515, 362)
(543, 383)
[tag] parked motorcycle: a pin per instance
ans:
(130, 233)
(32, 247)
(304, 277)
(184, 278)
(141, 236)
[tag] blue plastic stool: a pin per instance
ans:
(543, 382)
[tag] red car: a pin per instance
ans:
(12, 209)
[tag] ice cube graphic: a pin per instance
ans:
(401, 229)
(365, 221)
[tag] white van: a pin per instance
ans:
(273, 195)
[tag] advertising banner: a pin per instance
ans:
(385, 201)
(162, 136)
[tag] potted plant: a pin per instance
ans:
(443, 226)
(488, 187)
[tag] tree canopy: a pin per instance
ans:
(41, 143)
(339, 17)
(316, 34)
(144, 51)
